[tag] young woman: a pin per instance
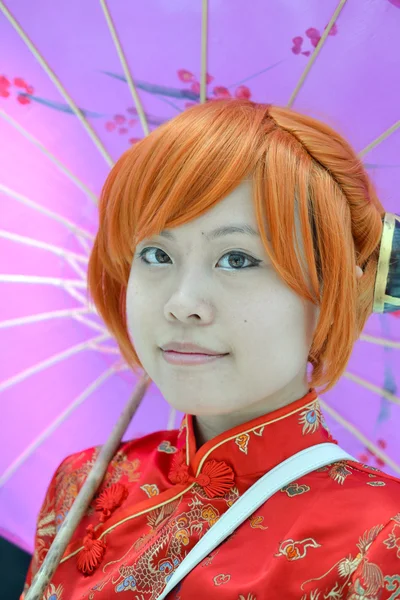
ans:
(236, 263)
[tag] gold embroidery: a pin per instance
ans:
(242, 441)
(255, 522)
(393, 541)
(310, 417)
(231, 496)
(221, 579)
(259, 431)
(294, 489)
(371, 574)
(166, 447)
(150, 489)
(53, 593)
(210, 514)
(339, 472)
(296, 550)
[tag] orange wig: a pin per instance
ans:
(298, 165)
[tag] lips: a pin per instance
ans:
(188, 348)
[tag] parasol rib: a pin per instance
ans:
(91, 324)
(204, 41)
(76, 267)
(51, 156)
(379, 139)
(77, 295)
(77, 112)
(34, 445)
(107, 350)
(27, 241)
(372, 387)
(14, 278)
(316, 52)
(379, 341)
(56, 314)
(49, 362)
(82, 501)
(128, 75)
(49, 213)
(360, 436)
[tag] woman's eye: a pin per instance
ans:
(233, 260)
(158, 254)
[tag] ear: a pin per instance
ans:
(359, 272)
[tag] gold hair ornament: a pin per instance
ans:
(387, 282)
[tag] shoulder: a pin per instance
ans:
(125, 464)
(353, 498)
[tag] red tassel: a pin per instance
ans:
(111, 499)
(216, 478)
(91, 554)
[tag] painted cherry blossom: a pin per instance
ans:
(20, 84)
(314, 36)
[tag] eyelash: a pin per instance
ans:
(254, 261)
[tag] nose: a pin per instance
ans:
(188, 303)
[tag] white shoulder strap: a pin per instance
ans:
(293, 468)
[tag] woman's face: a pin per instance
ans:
(220, 292)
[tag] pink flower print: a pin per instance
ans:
(122, 130)
(185, 76)
(364, 458)
(314, 36)
(4, 87)
(381, 463)
(243, 92)
(110, 126)
(19, 82)
(195, 87)
(297, 43)
(119, 119)
(23, 100)
(333, 30)
(221, 92)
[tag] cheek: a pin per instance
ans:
(272, 321)
(137, 308)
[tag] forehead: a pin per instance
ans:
(235, 209)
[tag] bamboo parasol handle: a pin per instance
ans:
(88, 490)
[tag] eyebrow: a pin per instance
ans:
(219, 232)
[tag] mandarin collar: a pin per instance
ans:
(257, 446)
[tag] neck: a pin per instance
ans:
(206, 427)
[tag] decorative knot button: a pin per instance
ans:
(216, 478)
(92, 553)
(110, 499)
(179, 472)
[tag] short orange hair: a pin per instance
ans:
(187, 165)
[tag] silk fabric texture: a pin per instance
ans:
(334, 533)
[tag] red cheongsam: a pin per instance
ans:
(333, 534)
